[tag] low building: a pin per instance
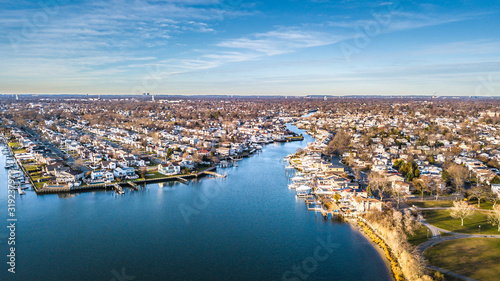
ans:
(125, 173)
(361, 204)
(169, 169)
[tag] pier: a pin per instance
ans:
(181, 179)
(118, 189)
(133, 185)
(215, 174)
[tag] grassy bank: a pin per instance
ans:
(478, 258)
(443, 219)
(394, 266)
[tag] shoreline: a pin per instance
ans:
(355, 225)
(380, 251)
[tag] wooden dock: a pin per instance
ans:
(118, 189)
(181, 179)
(215, 174)
(133, 185)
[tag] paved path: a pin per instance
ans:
(456, 275)
(434, 229)
(437, 238)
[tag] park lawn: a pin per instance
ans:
(477, 258)
(442, 219)
(432, 203)
(485, 205)
(419, 237)
(19, 150)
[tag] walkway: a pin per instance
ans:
(451, 273)
(437, 238)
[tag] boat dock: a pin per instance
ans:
(215, 174)
(182, 180)
(118, 189)
(133, 185)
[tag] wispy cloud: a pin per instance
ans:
(280, 41)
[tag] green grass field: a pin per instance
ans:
(442, 219)
(14, 144)
(419, 237)
(477, 258)
(484, 205)
(432, 203)
(19, 150)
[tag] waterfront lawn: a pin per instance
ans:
(32, 168)
(18, 150)
(419, 237)
(14, 145)
(432, 203)
(155, 175)
(477, 258)
(442, 219)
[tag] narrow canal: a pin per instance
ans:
(248, 226)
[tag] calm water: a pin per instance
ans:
(248, 226)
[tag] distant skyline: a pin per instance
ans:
(238, 47)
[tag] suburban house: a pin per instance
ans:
(68, 176)
(362, 204)
(110, 165)
(128, 173)
(401, 186)
(169, 169)
(97, 176)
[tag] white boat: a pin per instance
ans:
(303, 190)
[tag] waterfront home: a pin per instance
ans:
(361, 204)
(55, 168)
(98, 176)
(125, 173)
(68, 176)
(348, 192)
(172, 168)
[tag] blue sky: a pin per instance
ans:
(240, 47)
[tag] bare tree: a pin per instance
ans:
(461, 210)
(422, 185)
(379, 183)
(479, 192)
(398, 195)
(494, 217)
(458, 174)
(494, 198)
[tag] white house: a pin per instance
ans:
(169, 169)
(102, 176)
(110, 165)
(128, 173)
